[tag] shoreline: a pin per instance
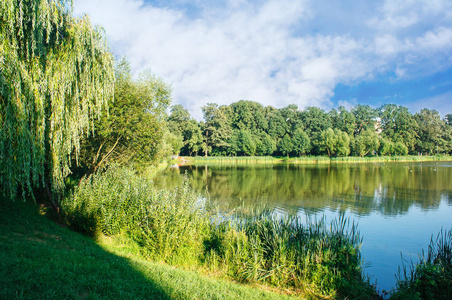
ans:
(189, 160)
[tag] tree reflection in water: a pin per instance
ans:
(388, 188)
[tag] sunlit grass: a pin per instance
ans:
(180, 228)
(233, 159)
(40, 259)
(409, 158)
(312, 159)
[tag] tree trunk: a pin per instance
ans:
(95, 166)
(52, 201)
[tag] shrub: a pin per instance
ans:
(171, 226)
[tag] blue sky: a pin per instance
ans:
(278, 52)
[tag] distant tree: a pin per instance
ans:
(285, 145)
(217, 128)
(181, 123)
(175, 141)
(277, 125)
(386, 146)
(179, 116)
(446, 136)
(365, 118)
(292, 117)
(192, 137)
(345, 121)
(398, 124)
(233, 142)
(246, 142)
(168, 146)
(335, 142)
(301, 142)
(249, 116)
(343, 143)
(448, 119)
(56, 76)
(430, 131)
(367, 142)
(315, 120)
(400, 148)
(265, 145)
(242, 143)
(328, 141)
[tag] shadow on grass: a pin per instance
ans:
(40, 259)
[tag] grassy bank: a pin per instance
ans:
(233, 159)
(42, 260)
(310, 159)
(180, 229)
(141, 234)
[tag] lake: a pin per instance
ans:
(398, 206)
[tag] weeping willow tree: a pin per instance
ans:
(56, 77)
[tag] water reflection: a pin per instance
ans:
(388, 188)
(398, 206)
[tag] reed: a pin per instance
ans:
(313, 159)
(316, 257)
(234, 159)
(179, 228)
(431, 277)
(310, 160)
(170, 226)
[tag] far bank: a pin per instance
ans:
(186, 160)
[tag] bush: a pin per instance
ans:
(171, 226)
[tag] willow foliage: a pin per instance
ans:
(56, 76)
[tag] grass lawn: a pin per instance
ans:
(40, 259)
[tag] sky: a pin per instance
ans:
(279, 52)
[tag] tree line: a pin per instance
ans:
(247, 128)
(67, 108)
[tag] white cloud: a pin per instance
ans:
(255, 51)
(401, 14)
(348, 104)
(442, 103)
(439, 39)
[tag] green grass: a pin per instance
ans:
(408, 158)
(312, 159)
(179, 228)
(40, 259)
(234, 159)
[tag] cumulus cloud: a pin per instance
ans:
(442, 103)
(263, 50)
(401, 14)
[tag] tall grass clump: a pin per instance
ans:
(178, 228)
(235, 159)
(170, 226)
(313, 257)
(431, 278)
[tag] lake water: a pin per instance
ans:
(398, 206)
